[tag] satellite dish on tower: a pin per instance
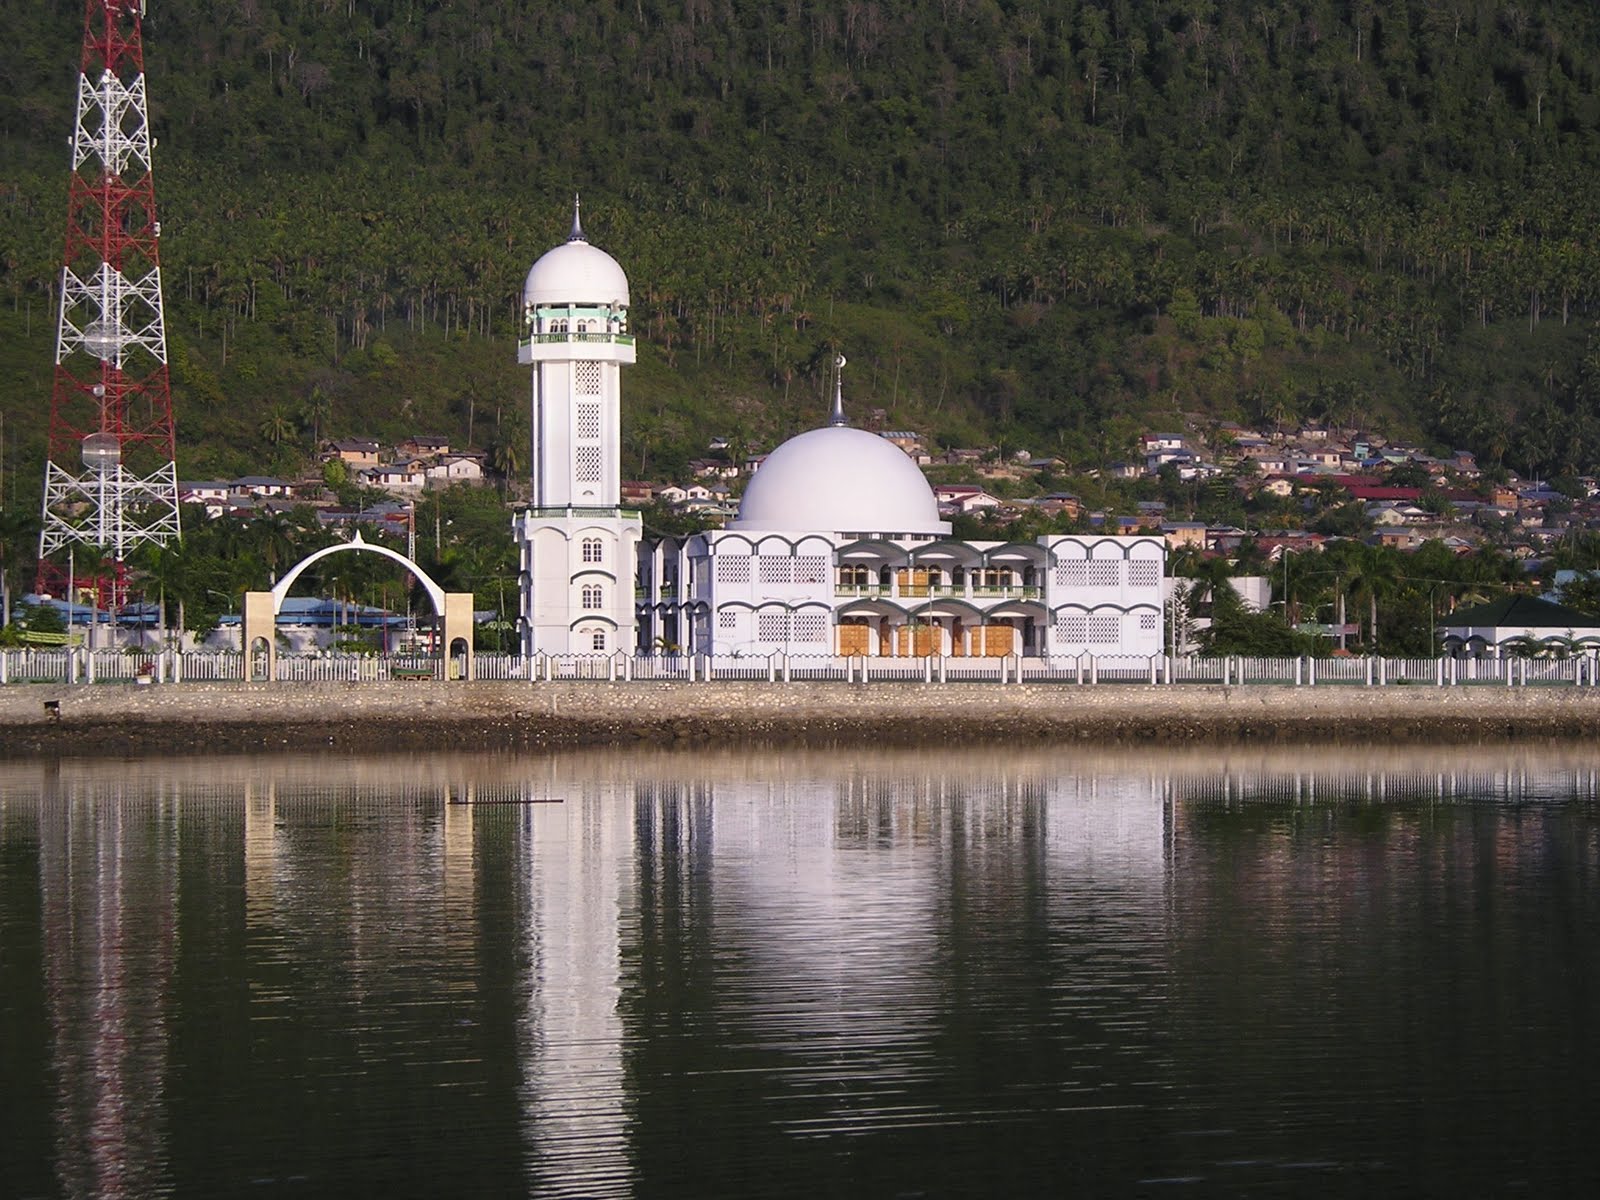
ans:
(102, 453)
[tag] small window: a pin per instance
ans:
(1105, 574)
(592, 550)
(777, 570)
(597, 640)
(1144, 574)
(1105, 630)
(591, 596)
(733, 568)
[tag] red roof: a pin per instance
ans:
(1363, 491)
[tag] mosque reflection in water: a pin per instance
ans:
(568, 968)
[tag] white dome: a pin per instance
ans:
(839, 480)
(576, 273)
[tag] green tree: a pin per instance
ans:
(275, 427)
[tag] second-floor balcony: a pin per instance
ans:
(960, 591)
(554, 347)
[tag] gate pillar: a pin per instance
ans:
(260, 621)
(458, 628)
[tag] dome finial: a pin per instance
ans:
(836, 416)
(577, 223)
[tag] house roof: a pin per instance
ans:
(1370, 492)
(1523, 612)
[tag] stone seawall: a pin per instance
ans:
(104, 719)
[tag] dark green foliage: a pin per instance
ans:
(1236, 630)
(1583, 594)
(1024, 224)
(40, 618)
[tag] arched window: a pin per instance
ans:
(592, 552)
(591, 596)
(597, 640)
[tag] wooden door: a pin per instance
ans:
(912, 583)
(915, 640)
(855, 639)
(994, 641)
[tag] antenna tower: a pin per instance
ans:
(111, 479)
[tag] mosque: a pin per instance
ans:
(837, 549)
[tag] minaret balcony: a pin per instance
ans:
(567, 347)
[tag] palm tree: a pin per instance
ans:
(1370, 573)
(319, 407)
(505, 456)
(163, 569)
(275, 426)
(274, 538)
(18, 528)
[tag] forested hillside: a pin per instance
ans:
(1034, 223)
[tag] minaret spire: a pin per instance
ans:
(836, 416)
(577, 221)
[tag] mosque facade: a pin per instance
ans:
(838, 547)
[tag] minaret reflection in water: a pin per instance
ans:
(606, 973)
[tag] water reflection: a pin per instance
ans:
(601, 973)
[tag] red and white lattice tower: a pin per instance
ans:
(111, 480)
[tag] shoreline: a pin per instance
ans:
(112, 720)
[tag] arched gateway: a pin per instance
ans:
(260, 622)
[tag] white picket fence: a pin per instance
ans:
(63, 666)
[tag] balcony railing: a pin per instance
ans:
(933, 590)
(579, 511)
(552, 339)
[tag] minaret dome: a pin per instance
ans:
(575, 273)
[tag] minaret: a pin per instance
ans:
(578, 546)
(575, 313)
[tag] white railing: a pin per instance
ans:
(78, 665)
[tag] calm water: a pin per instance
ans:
(973, 973)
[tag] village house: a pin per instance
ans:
(354, 452)
(451, 469)
(1184, 534)
(964, 497)
(393, 477)
(261, 485)
(680, 496)
(713, 468)
(201, 492)
(1054, 503)
(1152, 443)
(1328, 456)
(422, 446)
